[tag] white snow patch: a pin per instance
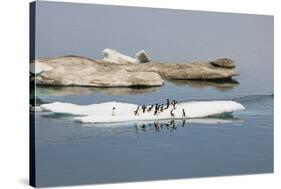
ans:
(114, 56)
(38, 68)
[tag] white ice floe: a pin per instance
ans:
(104, 113)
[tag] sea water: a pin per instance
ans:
(71, 153)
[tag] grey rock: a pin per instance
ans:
(81, 71)
(224, 63)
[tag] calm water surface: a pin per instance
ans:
(70, 153)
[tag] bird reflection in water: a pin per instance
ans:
(158, 126)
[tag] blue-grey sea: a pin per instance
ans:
(71, 153)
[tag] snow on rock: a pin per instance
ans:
(37, 68)
(114, 56)
(142, 57)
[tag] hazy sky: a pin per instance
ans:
(169, 35)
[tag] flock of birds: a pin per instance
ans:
(156, 108)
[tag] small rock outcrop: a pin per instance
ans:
(224, 63)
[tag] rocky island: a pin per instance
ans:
(118, 70)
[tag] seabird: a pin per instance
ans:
(150, 108)
(162, 108)
(174, 104)
(168, 104)
(143, 108)
(113, 111)
(155, 112)
(136, 111)
(172, 114)
(156, 106)
(183, 113)
(156, 109)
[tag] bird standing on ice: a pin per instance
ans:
(150, 108)
(137, 110)
(174, 104)
(143, 108)
(172, 114)
(113, 111)
(183, 113)
(168, 103)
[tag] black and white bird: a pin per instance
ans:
(162, 107)
(150, 108)
(172, 114)
(183, 113)
(174, 104)
(137, 110)
(156, 109)
(168, 104)
(113, 111)
(143, 108)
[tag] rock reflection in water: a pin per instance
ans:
(220, 84)
(73, 90)
(118, 91)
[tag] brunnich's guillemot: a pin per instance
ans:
(143, 108)
(162, 108)
(174, 104)
(156, 109)
(183, 113)
(172, 114)
(113, 111)
(137, 110)
(168, 104)
(150, 108)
